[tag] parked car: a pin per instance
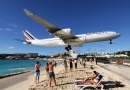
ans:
(106, 61)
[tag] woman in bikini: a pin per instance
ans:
(91, 82)
(47, 69)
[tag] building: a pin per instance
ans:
(96, 54)
(31, 55)
(104, 54)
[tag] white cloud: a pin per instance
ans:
(8, 29)
(13, 25)
(10, 47)
(1, 29)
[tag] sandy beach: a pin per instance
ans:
(25, 80)
(64, 80)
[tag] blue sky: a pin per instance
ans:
(82, 16)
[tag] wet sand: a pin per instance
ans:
(23, 81)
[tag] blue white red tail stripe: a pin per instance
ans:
(28, 36)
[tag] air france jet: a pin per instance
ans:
(63, 36)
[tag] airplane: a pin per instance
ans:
(63, 36)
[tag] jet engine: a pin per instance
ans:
(64, 31)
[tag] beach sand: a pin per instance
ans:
(65, 81)
(25, 80)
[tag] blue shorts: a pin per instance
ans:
(37, 73)
(51, 75)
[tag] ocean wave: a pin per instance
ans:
(12, 74)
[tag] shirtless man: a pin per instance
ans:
(51, 73)
(37, 73)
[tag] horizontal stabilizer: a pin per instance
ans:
(20, 40)
(23, 41)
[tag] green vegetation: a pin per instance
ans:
(124, 52)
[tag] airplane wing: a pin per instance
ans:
(51, 28)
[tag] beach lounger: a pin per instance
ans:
(99, 84)
(86, 78)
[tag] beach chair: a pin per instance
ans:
(86, 78)
(99, 84)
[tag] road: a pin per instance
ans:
(121, 70)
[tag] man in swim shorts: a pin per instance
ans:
(37, 71)
(51, 73)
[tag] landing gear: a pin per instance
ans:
(110, 41)
(68, 48)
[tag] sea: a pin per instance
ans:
(9, 67)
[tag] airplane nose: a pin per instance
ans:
(118, 34)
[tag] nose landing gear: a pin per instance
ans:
(111, 42)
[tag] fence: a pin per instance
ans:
(124, 60)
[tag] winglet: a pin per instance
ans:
(28, 12)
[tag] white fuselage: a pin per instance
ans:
(82, 39)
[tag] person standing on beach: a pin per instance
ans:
(37, 71)
(91, 60)
(47, 69)
(55, 64)
(95, 60)
(75, 61)
(65, 65)
(84, 63)
(71, 65)
(51, 73)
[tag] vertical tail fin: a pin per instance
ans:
(28, 36)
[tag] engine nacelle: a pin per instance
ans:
(64, 31)
(80, 39)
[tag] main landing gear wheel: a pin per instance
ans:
(110, 41)
(68, 48)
